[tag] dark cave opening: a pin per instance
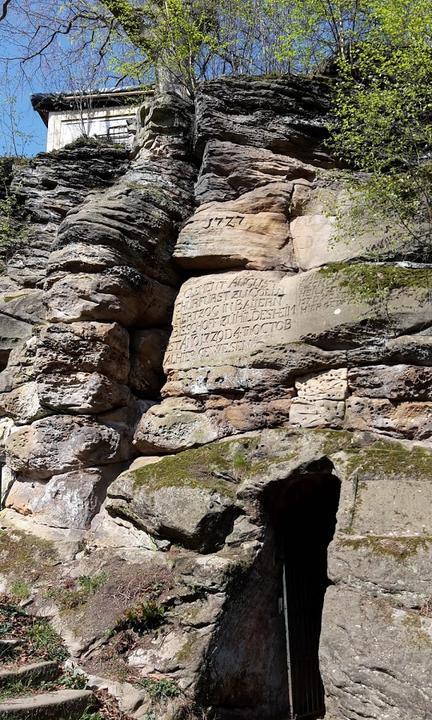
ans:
(303, 511)
(265, 664)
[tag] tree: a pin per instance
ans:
(189, 39)
(322, 30)
(383, 116)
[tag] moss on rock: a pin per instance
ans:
(399, 548)
(373, 281)
(25, 558)
(391, 459)
(218, 466)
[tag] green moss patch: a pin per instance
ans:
(390, 459)
(25, 559)
(399, 548)
(205, 467)
(372, 281)
(221, 466)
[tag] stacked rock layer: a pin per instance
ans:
(206, 381)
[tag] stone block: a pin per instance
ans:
(288, 121)
(175, 424)
(316, 413)
(396, 565)
(328, 385)
(386, 490)
(250, 232)
(80, 392)
(375, 658)
(168, 500)
(124, 295)
(229, 318)
(7, 426)
(23, 404)
(69, 500)
(86, 347)
(62, 443)
(229, 170)
(403, 419)
(395, 382)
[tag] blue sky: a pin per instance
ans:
(27, 120)
(64, 66)
(16, 88)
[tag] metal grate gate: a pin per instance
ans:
(302, 607)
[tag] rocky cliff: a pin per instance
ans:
(218, 409)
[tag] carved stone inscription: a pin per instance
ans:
(227, 221)
(237, 313)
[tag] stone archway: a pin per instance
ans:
(264, 663)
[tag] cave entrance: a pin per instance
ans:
(303, 514)
(264, 662)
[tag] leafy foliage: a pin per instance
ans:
(144, 616)
(161, 688)
(45, 641)
(383, 118)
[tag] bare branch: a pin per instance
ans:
(5, 9)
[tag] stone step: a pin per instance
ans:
(58, 705)
(31, 674)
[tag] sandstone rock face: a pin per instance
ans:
(250, 232)
(61, 443)
(109, 268)
(48, 188)
(196, 515)
(20, 310)
(229, 170)
(237, 314)
(69, 500)
(216, 417)
(147, 349)
(275, 115)
(127, 297)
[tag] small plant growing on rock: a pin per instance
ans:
(160, 688)
(5, 628)
(92, 584)
(74, 593)
(45, 641)
(144, 616)
(20, 590)
(73, 681)
(88, 715)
